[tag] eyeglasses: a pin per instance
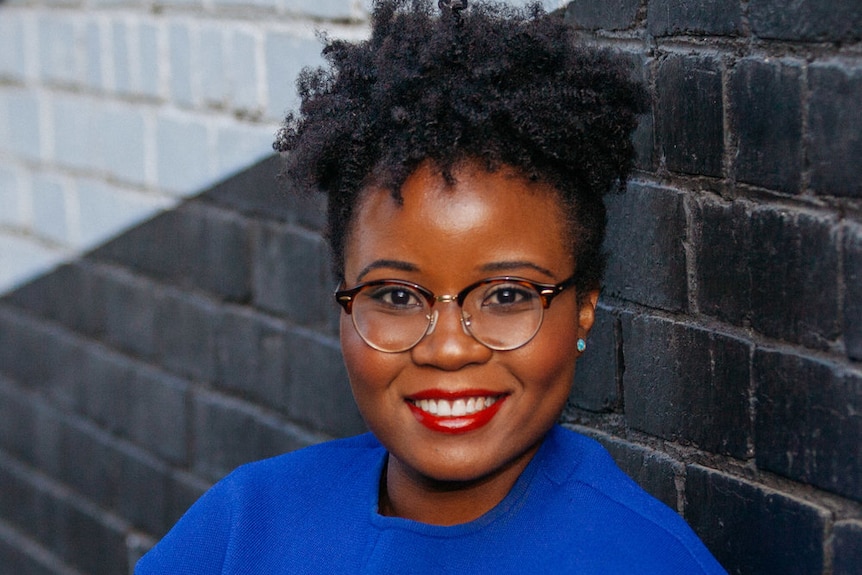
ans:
(503, 313)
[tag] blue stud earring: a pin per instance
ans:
(582, 345)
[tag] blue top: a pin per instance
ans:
(315, 511)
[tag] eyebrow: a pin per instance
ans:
(493, 267)
(387, 264)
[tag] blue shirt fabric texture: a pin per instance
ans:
(315, 511)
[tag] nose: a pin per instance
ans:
(448, 344)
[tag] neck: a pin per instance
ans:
(408, 494)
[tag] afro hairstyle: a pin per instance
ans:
(489, 83)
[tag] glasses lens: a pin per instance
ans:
(390, 317)
(503, 314)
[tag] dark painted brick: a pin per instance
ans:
(76, 533)
(645, 236)
(195, 246)
(808, 426)
(68, 295)
(29, 428)
(806, 20)
(653, 470)
(20, 555)
(260, 192)
(292, 276)
(794, 277)
(596, 386)
(690, 114)
(754, 530)
(766, 117)
(853, 291)
(229, 432)
(158, 408)
(319, 393)
(714, 17)
(687, 384)
(608, 15)
(187, 333)
(130, 305)
(836, 129)
(113, 475)
(40, 355)
(774, 270)
(847, 548)
(251, 357)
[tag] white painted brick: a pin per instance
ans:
(120, 134)
(245, 65)
(238, 146)
(93, 42)
(148, 60)
(263, 3)
(75, 139)
(50, 208)
(183, 154)
(103, 211)
(58, 49)
(323, 9)
(19, 123)
(11, 201)
(22, 259)
(180, 52)
(211, 65)
(12, 46)
(286, 54)
(122, 59)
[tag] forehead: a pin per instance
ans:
(481, 218)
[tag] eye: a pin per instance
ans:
(509, 297)
(395, 297)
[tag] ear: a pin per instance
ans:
(587, 311)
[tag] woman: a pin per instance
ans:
(465, 157)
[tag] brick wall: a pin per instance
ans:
(723, 373)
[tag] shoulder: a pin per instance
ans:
(615, 508)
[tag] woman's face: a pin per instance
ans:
(445, 238)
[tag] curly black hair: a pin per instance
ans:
(490, 83)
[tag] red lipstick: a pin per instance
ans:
(445, 403)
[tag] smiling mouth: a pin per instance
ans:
(455, 414)
(454, 408)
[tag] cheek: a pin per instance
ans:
(368, 369)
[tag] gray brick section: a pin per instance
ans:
(836, 125)
(329, 407)
(766, 116)
(753, 529)
(806, 20)
(847, 548)
(687, 384)
(291, 270)
(645, 242)
(613, 14)
(690, 122)
(853, 291)
(807, 425)
(754, 268)
(230, 432)
(50, 513)
(715, 17)
(186, 332)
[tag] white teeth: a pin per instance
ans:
(457, 408)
